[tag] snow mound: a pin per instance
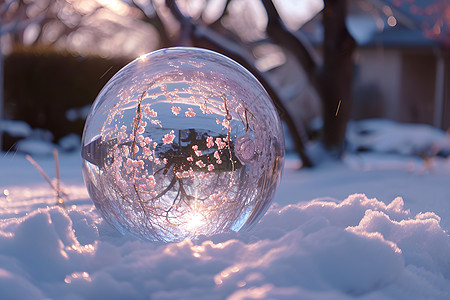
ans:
(15, 128)
(325, 248)
(70, 142)
(35, 146)
(387, 136)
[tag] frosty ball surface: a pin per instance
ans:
(182, 142)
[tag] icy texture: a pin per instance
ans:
(182, 142)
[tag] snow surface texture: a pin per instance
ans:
(350, 247)
(323, 248)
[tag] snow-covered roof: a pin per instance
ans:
(391, 23)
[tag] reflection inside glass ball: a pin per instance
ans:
(182, 142)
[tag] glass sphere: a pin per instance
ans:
(182, 142)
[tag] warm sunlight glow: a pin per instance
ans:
(387, 10)
(437, 29)
(218, 281)
(78, 276)
(297, 12)
(142, 58)
(195, 221)
(241, 283)
(392, 21)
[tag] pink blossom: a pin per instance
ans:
(121, 135)
(226, 123)
(214, 196)
(210, 167)
(126, 150)
(150, 112)
(209, 142)
(184, 174)
(190, 112)
(168, 138)
(135, 163)
(204, 108)
(140, 130)
(197, 152)
(147, 152)
(156, 122)
(217, 155)
(176, 110)
(220, 144)
(200, 164)
(151, 182)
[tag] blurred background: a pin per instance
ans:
(324, 63)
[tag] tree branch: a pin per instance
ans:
(296, 43)
(205, 37)
(186, 24)
(156, 22)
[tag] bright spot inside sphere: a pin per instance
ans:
(182, 142)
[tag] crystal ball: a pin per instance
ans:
(182, 142)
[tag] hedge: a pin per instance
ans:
(42, 84)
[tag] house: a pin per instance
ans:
(402, 63)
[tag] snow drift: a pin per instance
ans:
(325, 248)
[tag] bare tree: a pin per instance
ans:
(331, 79)
(336, 76)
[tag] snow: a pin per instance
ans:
(374, 226)
(404, 138)
(70, 142)
(35, 146)
(15, 128)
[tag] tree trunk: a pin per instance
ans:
(336, 76)
(1, 96)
